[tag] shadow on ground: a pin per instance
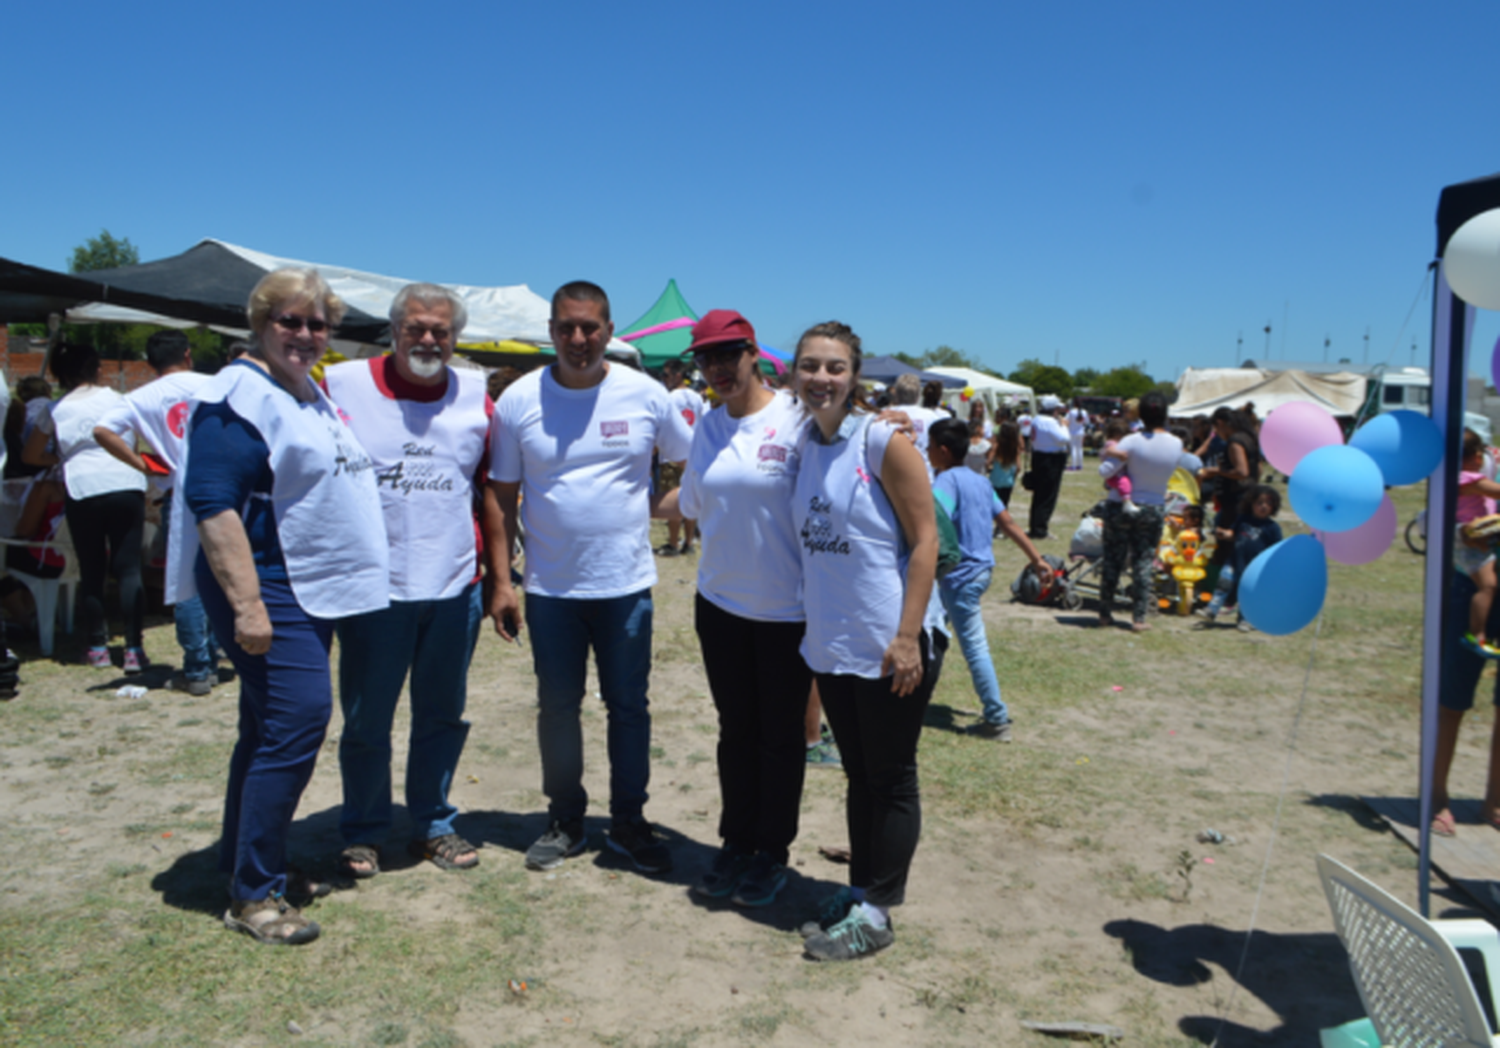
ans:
(1277, 971)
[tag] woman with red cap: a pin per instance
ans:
(738, 484)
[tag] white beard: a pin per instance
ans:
(425, 367)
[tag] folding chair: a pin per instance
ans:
(1422, 982)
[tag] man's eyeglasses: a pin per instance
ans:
(721, 356)
(292, 323)
(414, 332)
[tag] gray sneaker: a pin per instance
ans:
(849, 940)
(198, 686)
(561, 841)
(724, 875)
(999, 731)
(762, 881)
(824, 754)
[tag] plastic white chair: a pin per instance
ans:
(1415, 987)
(45, 593)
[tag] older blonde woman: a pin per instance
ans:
(289, 538)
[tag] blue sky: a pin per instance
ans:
(1089, 183)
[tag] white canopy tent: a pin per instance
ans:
(1201, 390)
(993, 391)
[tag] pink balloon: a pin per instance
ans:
(1365, 543)
(1294, 429)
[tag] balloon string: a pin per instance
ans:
(1260, 889)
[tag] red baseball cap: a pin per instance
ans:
(719, 326)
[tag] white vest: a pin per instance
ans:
(322, 494)
(426, 455)
(853, 561)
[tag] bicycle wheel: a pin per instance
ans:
(1416, 537)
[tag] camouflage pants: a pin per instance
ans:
(1131, 538)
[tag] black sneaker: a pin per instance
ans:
(561, 841)
(637, 842)
(762, 881)
(723, 877)
(830, 911)
(849, 940)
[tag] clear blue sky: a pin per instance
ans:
(1095, 183)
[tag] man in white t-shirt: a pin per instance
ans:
(905, 392)
(1049, 460)
(426, 427)
(157, 414)
(680, 530)
(574, 442)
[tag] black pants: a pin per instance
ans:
(759, 684)
(1047, 469)
(106, 532)
(877, 733)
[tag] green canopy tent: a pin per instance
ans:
(665, 331)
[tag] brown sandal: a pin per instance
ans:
(272, 921)
(444, 852)
(366, 854)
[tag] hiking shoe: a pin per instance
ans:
(666, 549)
(562, 840)
(849, 940)
(997, 730)
(1243, 625)
(824, 754)
(135, 660)
(762, 881)
(192, 685)
(723, 877)
(98, 658)
(637, 842)
(830, 911)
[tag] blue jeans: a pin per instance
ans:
(286, 698)
(619, 630)
(962, 605)
(435, 640)
(194, 635)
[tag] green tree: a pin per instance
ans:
(1084, 378)
(1128, 381)
(103, 252)
(1043, 378)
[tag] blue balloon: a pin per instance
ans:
(1405, 445)
(1283, 589)
(1336, 488)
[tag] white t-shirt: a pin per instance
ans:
(1024, 421)
(88, 469)
(1048, 434)
(583, 460)
(1078, 422)
(688, 403)
(922, 420)
(158, 414)
(1153, 458)
(738, 485)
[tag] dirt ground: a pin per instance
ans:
(1079, 893)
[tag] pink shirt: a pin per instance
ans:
(1472, 507)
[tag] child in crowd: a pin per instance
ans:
(1005, 463)
(1254, 531)
(971, 502)
(1474, 556)
(1116, 430)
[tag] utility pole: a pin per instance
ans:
(1239, 348)
(1367, 345)
(1268, 340)
(1326, 343)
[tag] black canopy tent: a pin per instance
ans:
(888, 369)
(207, 284)
(1452, 323)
